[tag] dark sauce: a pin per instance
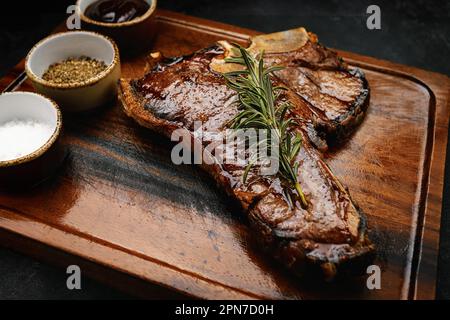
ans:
(116, 11)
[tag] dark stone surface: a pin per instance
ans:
(24, 278)
(415, 33)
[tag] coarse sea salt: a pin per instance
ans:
(19, 137)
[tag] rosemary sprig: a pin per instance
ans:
(260, 109)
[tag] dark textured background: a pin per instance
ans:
(415, 33)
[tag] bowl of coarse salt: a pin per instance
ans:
(30, 130)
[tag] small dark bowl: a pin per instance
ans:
(133, 36)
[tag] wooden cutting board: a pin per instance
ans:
(122, 211)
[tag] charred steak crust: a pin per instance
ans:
(342, 127)
(319, 75)
(331, 233)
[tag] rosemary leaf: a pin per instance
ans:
(259, 108)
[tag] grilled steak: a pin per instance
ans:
(336, 94)
(331, 230)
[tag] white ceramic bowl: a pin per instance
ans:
(43, 155)
(80, 96)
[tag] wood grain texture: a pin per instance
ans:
(119, 203)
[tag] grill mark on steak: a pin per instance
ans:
(337, 95)
(328, 233)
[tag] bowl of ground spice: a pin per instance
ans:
(77, 69)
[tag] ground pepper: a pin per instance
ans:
(74, 70)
